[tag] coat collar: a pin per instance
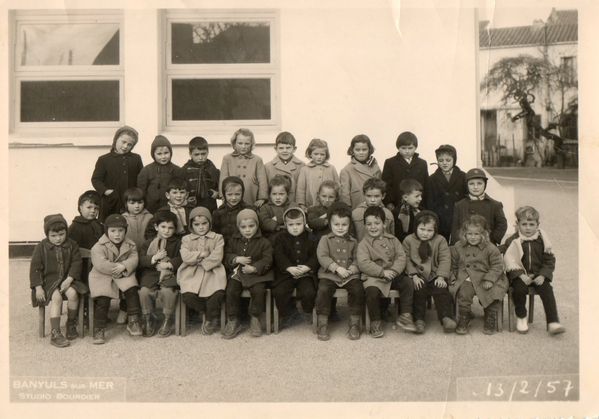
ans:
(242, 156)
(404, 162)
(312, 164)
(371, 239)
(210, 235)
(364, 168)
(280, 165)
(66, 244)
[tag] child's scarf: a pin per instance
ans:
(404, 216)
(513, 254)
(477, 198)
(370, 160)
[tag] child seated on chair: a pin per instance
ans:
(296, 267)
(248, 258)
(477, 269)
(382, 260)
(530, 262)
(202, 276)
(336, 254)
(54, 275)
(159, 259)
(114, 259)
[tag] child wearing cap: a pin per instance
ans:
(445, 187)
(405, 165)
(54, 274)
(296, 267)
(202, 276)
(285, 162)
(478, 202)
(248, 259)
(116, 171)
(201, 176)
(224, 217)
(153, 179)
(159, 259)
(114, 260)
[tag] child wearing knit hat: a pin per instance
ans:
(201, 276)
(116, 171)
(54, 275)
(248, 259)
(153, 179)
(225, 217)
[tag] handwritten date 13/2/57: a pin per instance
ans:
(519, 388)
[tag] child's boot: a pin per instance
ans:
(323, 327)
(463, 323)
(72, 324)
(208, 327)
(99, 336)
(165, 329)
(232, 328)
(57, 339)
(354, 327)
(376, 329)
(134, 326)
(522, 325)
(490, 321)
(449, 324)
(255, 327)
(148, 325)
(405, 322)
(419, 324)
(555, 328)
(307, 318)
(122, 317)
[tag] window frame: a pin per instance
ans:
(20, 73)
(171, 71)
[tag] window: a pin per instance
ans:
(221, 68)
(569, 66)
(67, 69)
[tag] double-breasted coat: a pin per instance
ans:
(105, 256)
(377, 254)
(250, 169)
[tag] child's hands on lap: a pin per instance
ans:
(40, 295)
(248, 269)
(66, 284)
(342, 272)
(539, 280)
(418, 282)
(295, 271)
(243, 260)
(487, 285)
(440, 282)
(118, 270)
(161, 254)
(389, 275)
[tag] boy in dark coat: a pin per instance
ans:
(176, 196)
(159, 259)
(445, 187)
(248, 259)
(530, 262)
(405, 214)
(296, 265)
(405, 165)
(478, 202)
(54, 274)
(201, 176)
(224, 218)
(153, 179)
(117, 171)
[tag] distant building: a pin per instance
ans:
(502, 140)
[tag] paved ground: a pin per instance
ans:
(294, 366)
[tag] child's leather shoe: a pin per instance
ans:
(405, 322)
(376, 329)
(463, 324)
(255, 327)
(122, 317)
(58, 340)
(166, 328)
(148, 328)
(522, 325)
(208, 327)
(555, 328)
(72, 329)
(419, 324)
(354, 327)
(232, 329)
(323, 327)
(99, 336)
(133, 326)
(449, 324)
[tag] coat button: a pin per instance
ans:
(467, 265)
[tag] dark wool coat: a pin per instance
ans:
(118, 172)
(224, 219)
(45, 270)
(267, 214)
(399, 232)
(479, 263)
(153, 180)
(201, 178)
(148, 275)
(293, 251)
(534, 259)
(85, 232)
(490, 209)
(397, 169)
(256, 247)
(317, 222)
(441, 196)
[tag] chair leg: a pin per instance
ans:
(178, 316)
(183, 324)
(268, 311)
(275, 317)
(511, 312)
(395, 310)
(223, 316)
(314, 321)
(531, 305)
(80, 319)
(41, 322)
(366, 319)
(90, 315)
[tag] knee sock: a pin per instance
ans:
(72, 314)
(55, 323)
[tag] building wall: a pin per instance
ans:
(344, 71)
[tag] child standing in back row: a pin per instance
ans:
(285, 163)
(363, 166)
(153, 178)
(201, 176)
(314, 173)
(247, 166)
(116, 171)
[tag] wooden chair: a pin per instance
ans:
(394, 297)
(275, 313)
(42, 319)
(181, 317)
(512, 310)
(339, 293)
(499, 315)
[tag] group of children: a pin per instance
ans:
(148, 233)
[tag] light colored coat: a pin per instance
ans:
(208, 276)
(377, 254)
(136, 226)
(105, 256)
(352, 178)
(309, 180)
(291, 169)
(250, 169)
(439, 264)
(479, 263)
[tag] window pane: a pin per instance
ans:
(220, 99)
(68, 44)
(72, 101)
(220, 43)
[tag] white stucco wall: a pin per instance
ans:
(344, 71)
